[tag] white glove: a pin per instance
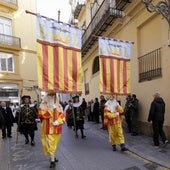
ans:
(37, 120)
(117, 113)
(54, 106)
(55, 123)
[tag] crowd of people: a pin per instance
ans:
(52, 115)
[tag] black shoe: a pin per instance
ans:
(114, 148)
(124, 149)
(56, 160)
(3, 137)
(26, 141)
(52, 164)
(32, 143)
(83, 137)
(9, 136)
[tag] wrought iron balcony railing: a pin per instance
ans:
(78, 7)
(12, 2)
(10, 41)
(107, 12)
(150, 65)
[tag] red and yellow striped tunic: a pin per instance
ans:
(111, 118)
(47, 119)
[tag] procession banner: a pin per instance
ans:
(59, 56)
(114, 66)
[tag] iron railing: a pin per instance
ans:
(13, 2)
(150, 65)
(10, 40)
(102, 17)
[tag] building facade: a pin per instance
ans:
(127, 20)
(18, 73)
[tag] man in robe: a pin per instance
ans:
(113, 121)
(52, 118)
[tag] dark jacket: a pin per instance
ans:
(2, 121)
(157, 110)
(8, 116)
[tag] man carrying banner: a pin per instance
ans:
(52, 118)
(78, 117)
(113, 121)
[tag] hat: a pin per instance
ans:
(75, 97)
(25, 96)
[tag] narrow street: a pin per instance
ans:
(92, 153)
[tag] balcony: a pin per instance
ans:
(9, 4)
(78, 7)
(10, 42)
(104, 16)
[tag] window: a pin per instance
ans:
(87, 91)
(95, 68)
(150, 65)
(5, 26)
(6, 62)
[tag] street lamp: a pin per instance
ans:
(162, 7)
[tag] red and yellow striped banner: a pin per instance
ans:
(114, 75)
(59, 68)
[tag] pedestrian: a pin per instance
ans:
(84, 106)
(156, 115)
(127, 112)
(27, 119)
(2, 121)
(14, 108)
(134, 109)
(113, 121)
(91, 109)
(69, 115)
(102, 106)
(88, 110)
(8, 120)
(78, 117)
(52, 118)
(96, 110)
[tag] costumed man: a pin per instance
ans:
(113, 122)
(27, 119)
(78, 117)
(52, 118)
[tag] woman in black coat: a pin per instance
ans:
(96, 110)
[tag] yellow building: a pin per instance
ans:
(150, 60)
(18, 74)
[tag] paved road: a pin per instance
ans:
(92, 153)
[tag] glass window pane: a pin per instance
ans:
(3, 64)
(10, 64)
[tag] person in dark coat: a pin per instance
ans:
(8, 120)
(134, 109)
(156, 115)
(84, 106)
(101, 107)
(78, 116)
(127, 112)
(96, 110)
(27, 119)
(2, 121)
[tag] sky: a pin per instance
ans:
(50, 9)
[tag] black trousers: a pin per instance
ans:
(129, 123)
(158, 131)
(28, 130)
(8, 129)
